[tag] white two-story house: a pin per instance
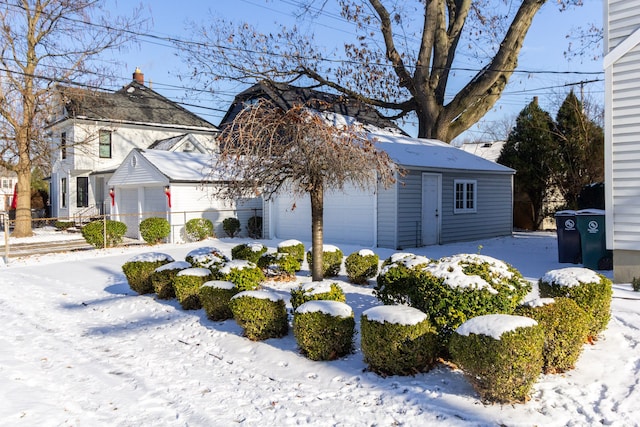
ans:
(94, 131)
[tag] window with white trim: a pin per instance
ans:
(104, 144)
(464, 196)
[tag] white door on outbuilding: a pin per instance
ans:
(431, 208)
(128, 210)
(349, 217)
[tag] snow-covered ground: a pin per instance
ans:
(79, 348)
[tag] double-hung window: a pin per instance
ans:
(104, 147)
(465, 196)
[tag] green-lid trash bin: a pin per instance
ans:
(569, 249)
(593, 242)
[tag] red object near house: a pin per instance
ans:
(14, 200)
(112, 194)
(167, 191)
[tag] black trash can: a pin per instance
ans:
(591, 224)
(569, 248)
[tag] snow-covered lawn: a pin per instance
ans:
(79, 348)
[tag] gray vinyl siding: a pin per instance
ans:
(623, 146)
(494, 215)
(387, 216)
(494, 208)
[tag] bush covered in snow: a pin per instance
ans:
(590, 290)
(395, 281)
(138, 270)
(454, 289)
(162, 278)
(279, 265)
(312, 291)
(361, 265)
(331, 260)
(248, 251)
(93, 233)
(324, 330)
(245, 275)
(500, 355)
(397, 340)
(187, 284)
(215, 296)
(198, 229)
(565, 327)
(292, 247)
(207, 257)
(261, 314)
(231, 226)
(154, 230)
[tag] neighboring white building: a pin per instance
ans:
(622, 141)
(94, 132)
(8, 180)
(489, 150)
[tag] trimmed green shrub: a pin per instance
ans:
(163, 276)
(331, 260)
(187, 283)
(280, 265)
(254, 227)
(93, 233)
(248, 251)
(324, 330)
(138, 270)
(590, 290)
(503, 366)
(244, 274)
(454, 289)
(231, 226)
(313, 291)
(635, 284)
(395, 282)
(361, 265)
(207, 257)
(397, 340)
(292, 247)
(261, 314)
(565, 327)
(154, 230)
(198, 229)
(64, 225)
(215, 296)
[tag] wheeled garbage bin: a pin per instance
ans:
(569, 249)
(591, 224)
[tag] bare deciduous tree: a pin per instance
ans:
(44, 42)
(266, 149)
(403, 59)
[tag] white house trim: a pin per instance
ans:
(622, 49)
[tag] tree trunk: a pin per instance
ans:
(22, 226)
(317, 209)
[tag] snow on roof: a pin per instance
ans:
(434, 154)
(332, 308)
(182, 166)
(571, 276)
(494, 325)
(486, 150)
(396, 314)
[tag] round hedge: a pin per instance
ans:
(261, 314)
(312, 291)
(590, 290)
(245, 275)
(198, 229)
(215, 296)
(397, 340)
(500, 355)
(154, 230)
(361, 266)
(331, 260)
(395, 281)
(163, 276)
(279, 265)
(294, 248)
(207, 257)
(565, 327)
(324, 330)
(187, 284)
(93, 233)
(248, 251)
(138, 270)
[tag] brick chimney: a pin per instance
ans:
(138, 76)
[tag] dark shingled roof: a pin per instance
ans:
(286, 96)
(134, 103)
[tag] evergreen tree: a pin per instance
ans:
(532, 151)
(581, 150)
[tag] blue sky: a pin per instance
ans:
(542, 54)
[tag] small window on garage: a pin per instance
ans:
(465, 196)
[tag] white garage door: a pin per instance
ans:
(349, 217)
